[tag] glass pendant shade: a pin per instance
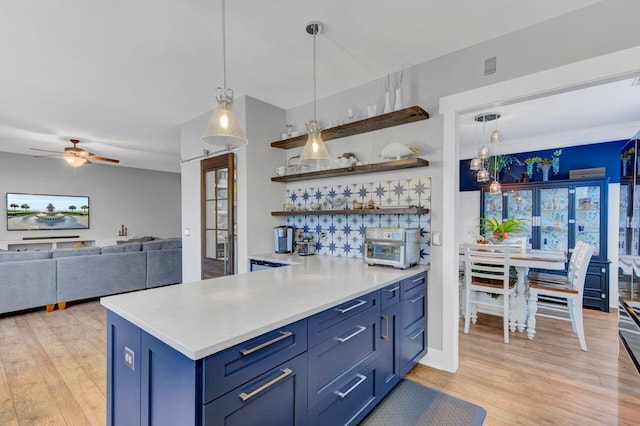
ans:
(224, 128)
(476, 164)
(484, 152)
(315, 154)
(495, 187)
(483, 175)
(495, 136)
(74, 160)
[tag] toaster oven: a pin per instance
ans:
(397, 247)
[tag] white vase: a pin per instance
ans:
(387, 102)
(399, 104)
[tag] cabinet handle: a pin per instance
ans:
(286, 372)
(418, 279)
(418, 333)
(415, 299)
(345, 310)
(354, 334)
(385, 318)
(361, 379)
(283, 335)
(392, 290)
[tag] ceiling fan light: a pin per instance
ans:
(315, 154)
(73, 160)
(224, 128)
(476, 164)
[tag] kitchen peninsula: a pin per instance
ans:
(317, 342)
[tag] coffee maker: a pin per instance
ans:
(283, 239)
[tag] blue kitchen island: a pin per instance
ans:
(318, 342)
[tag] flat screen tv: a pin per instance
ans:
(38, 212)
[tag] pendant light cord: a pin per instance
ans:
(224, 51)
(315, 84)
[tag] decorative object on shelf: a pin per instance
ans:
(315, 153)
(281, 170)
(387, 96)
(123, 232)
(224, 128)
(544, 164)
(335, 202)
(398, 103)
(397, 151)
(501, 231)
(351, 115)
(347, 159)
(372, 110)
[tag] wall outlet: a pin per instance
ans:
(129, 358)
(323, 235)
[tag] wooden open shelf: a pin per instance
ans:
(399, 210)
(406, 163)
(396, 118)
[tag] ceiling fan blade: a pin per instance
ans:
(45, 150)
(46, 156)
(97, 157)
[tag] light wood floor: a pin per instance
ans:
(52, 371)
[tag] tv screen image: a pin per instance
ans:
(29, 212)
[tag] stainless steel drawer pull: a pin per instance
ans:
(392, 290)
(344, 310)
(385, 318)
(283, 335)
(361, 379)
(418, 279)
(286, 372)
(354, 334)
(415, 299)
(418, 333)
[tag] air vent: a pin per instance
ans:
(490, 66)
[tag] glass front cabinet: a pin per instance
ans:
(558, 214)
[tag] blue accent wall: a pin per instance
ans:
(606, 154)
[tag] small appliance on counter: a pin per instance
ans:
(397, 247)
(283, 239)
(306, 248)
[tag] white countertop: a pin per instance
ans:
(204, 317)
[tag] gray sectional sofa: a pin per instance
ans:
(44, 278)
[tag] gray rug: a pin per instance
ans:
(410, 403)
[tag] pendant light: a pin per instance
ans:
(495, 187)
(476, 163)
(314, 154)
(224, 128)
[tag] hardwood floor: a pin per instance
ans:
(52, 371)
(545, 381)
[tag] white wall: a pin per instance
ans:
(257, 196)
(147, 202)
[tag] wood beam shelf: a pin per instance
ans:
(395, 118)
(406, 163)
(398, 210)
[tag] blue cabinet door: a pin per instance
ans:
(413, 322)
(388, 370)
(277, 397)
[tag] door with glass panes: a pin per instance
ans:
(218, 218)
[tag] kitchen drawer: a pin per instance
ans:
(413, 346)
(232, 367)
(328, 323)
(349, 400)
(389, 295)
(329, 361)
(408, 285)
(414, 306)
(278, 398)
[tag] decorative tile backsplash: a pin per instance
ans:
(345, 233)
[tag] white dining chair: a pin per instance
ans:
(558, 278)
(487, 271)
(567, 298)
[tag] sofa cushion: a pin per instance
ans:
(152, 245)
(137, 240)
(82, 251)
(122, 248)
(171, 243)
(16, 256)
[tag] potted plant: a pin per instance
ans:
(544, 164)
(498, 163)
(501, 231)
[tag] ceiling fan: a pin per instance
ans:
(76, 157)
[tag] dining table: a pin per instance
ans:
(523, 261)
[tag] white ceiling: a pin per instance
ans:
(122, 76)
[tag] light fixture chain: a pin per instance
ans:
(315, 84)
(224, 52)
